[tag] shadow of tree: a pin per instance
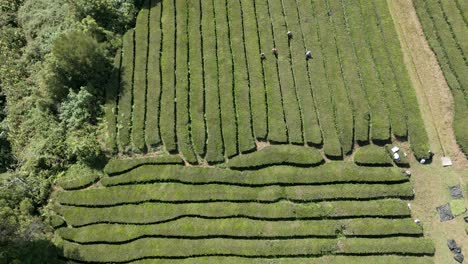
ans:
(30, 252)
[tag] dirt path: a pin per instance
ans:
(431, 182)
(434, 96)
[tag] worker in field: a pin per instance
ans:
(275, 51)
(308, 55)
(262, 56)
(290, 35)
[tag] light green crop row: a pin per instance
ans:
(383, 259)
(293, 115)
(257, 86)
(379, 114)
(320, 87)
(335, 172)
(243, 228)
(241, 78)
(110, 108)
(182, 85)
(140, 81)
(277, 131)
(124, 119)
(342, 108)
(151, 213)
(372, 155)
(152, 136)
(118, 166)
(175, 192)
(277, 155)
(311, 127)
(78, 176)
(153, 247)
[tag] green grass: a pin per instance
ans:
(140, 81)
(167, 119)
(78, 176)
(182, 86)
(145, 213)
(173, 192)
(124, 119)
(279, 175)
(156, 247)
(372, 156)
(214, 144)
(256, 80)
(243, 228)
(457, 207)
(152, 135)
(197, 91)
(277, 155)
(117, 166)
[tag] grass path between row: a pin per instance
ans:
(431, 182)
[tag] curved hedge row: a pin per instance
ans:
(279, 175)
(383, 259)
(78, 176)
(164, 248)
(277, 155)
(242, 228)
(174, 192)
(372, 156)
(283, 210)
(117, 166)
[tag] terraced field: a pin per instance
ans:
(149, 211)
(445, 25)
(192, 80)
(251, 159)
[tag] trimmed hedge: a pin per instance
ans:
(118, 166)
(182, 85)
(379, 113)
(382, 259)
(372, 155)
(174, 192)
(312, 133)
(342, 108)
(57, 222)
(243, 228)
(124, 119)
(167, 121)
(214, 247)
(277, 131)
(277, 155)
(241, 78)
(225, 80)
(279, 175)
(320, 89)
(416, 129)
(351, 74)
(257, 83)
(78, 176)
(197, 90)
(214, 144)
(152, 136)
(283, 210)
(292, 110)
(140, 81)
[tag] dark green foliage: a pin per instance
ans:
(78, 176)
(277, 155)
(110, 107)
(116, 166)
(372, 155)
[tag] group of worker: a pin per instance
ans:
(308, 53)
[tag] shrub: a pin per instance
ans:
(78, 176)
(277, 155)
(372, 156)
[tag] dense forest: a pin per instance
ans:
(56, 58)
